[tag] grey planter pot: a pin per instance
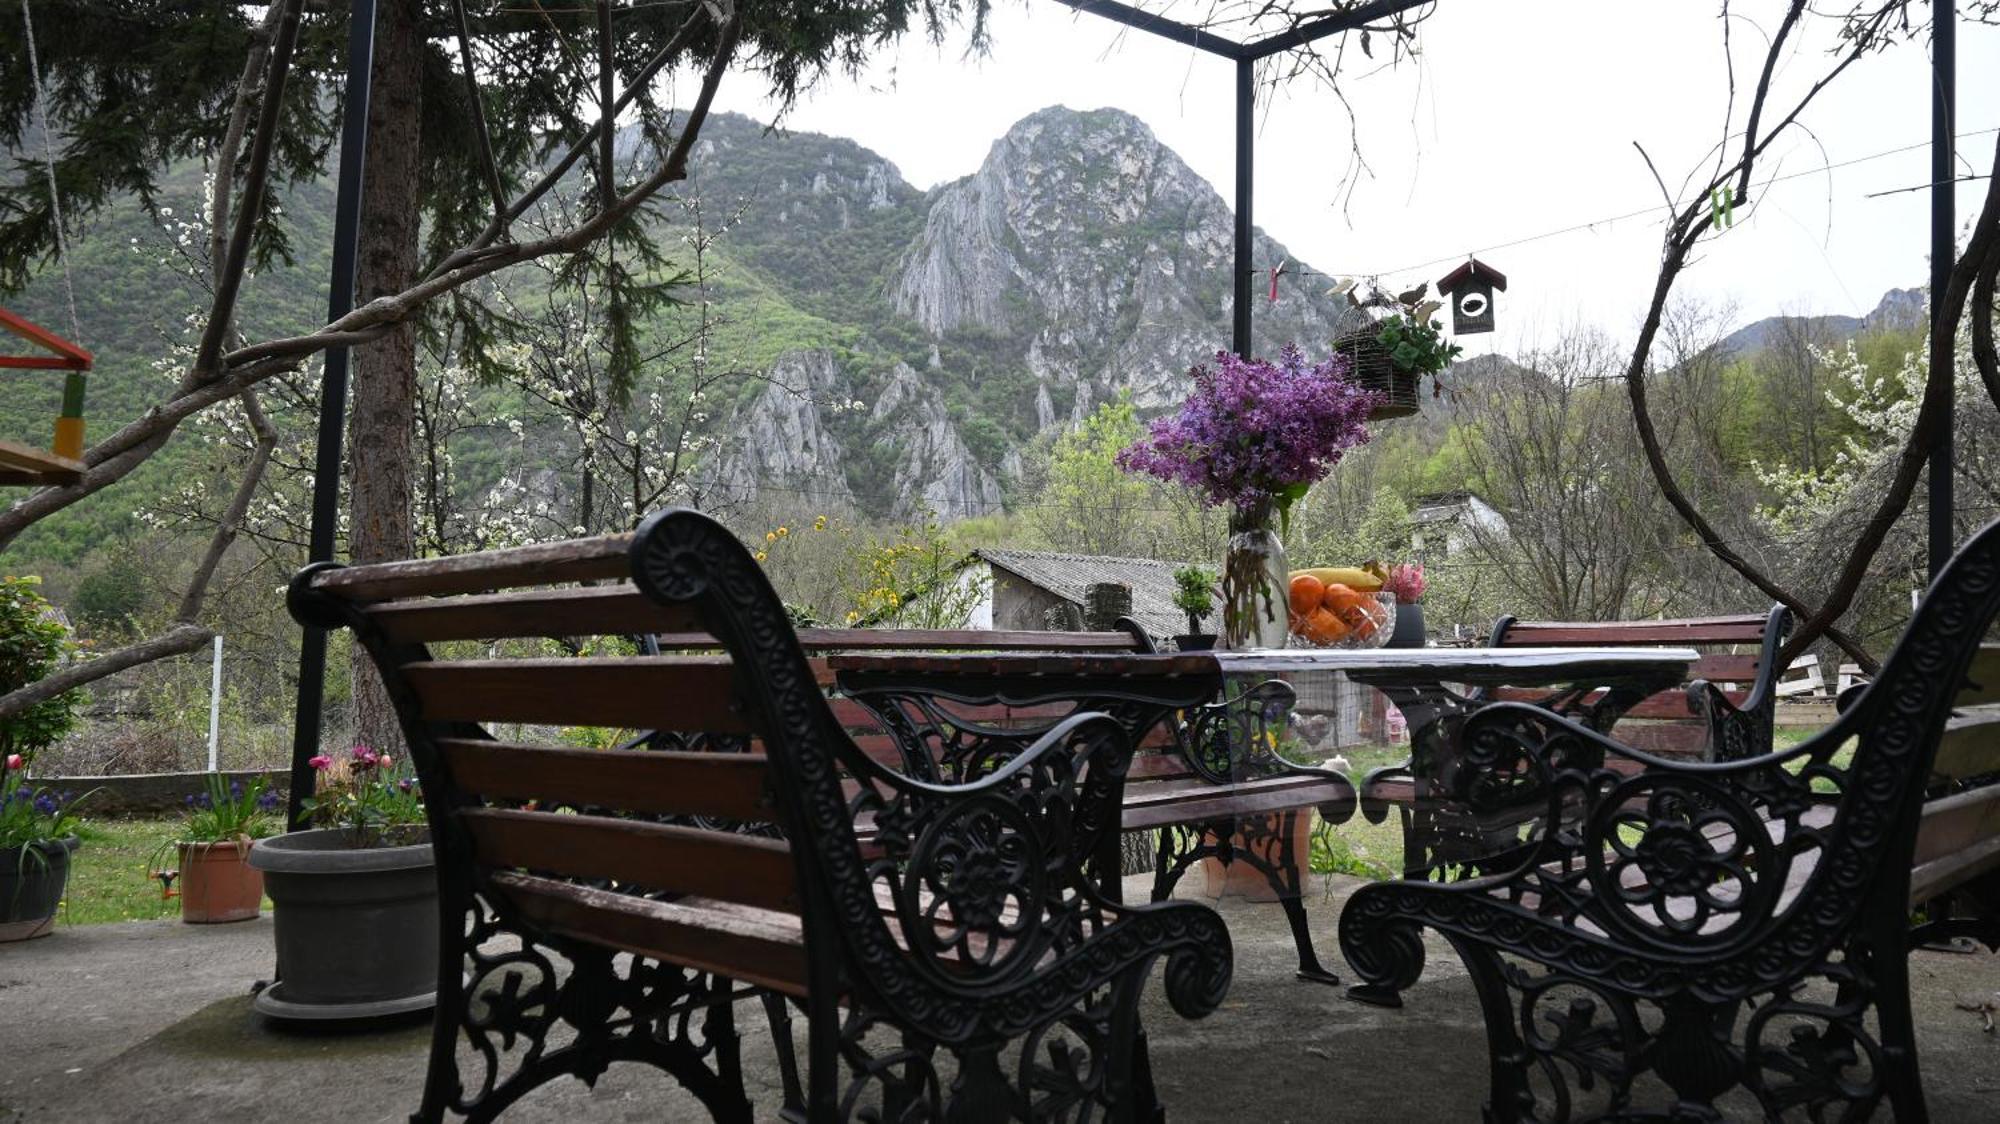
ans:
(357, 928)
(31, 887)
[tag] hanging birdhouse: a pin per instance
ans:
(1470, 290)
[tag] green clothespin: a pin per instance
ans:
(1722, 208)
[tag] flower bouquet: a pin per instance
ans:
(1254, 435)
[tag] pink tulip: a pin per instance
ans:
(385, 761)
(322, 762)
(14, 762)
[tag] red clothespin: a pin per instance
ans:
(1276, 272)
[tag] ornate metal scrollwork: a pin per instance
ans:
(1735, 929)
(531, 1008)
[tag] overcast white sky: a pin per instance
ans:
(1518, 119)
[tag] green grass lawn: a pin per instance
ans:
(111, 877)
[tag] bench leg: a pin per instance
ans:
(779, 1015)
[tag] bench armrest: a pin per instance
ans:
(1691, 853)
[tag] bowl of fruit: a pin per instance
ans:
(1340, 607)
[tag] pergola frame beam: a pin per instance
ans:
(1245, 56)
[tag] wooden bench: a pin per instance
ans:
(613, 905)
(1730, 934)
(1726, 709)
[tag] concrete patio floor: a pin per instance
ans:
(151, 1021)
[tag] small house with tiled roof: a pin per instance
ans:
(1025, 584)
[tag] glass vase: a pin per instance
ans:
(1255, 584)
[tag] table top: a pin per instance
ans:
(1456, 664)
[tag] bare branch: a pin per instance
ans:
(178, 639)
(222, 314)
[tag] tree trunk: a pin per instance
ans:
(382, 421)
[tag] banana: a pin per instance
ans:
(1353, 577)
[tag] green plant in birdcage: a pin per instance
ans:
(1416, 344)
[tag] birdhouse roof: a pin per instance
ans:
(1472, 270)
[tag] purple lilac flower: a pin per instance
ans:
(1253, 430)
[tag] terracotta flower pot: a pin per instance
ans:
(218, 883)
(31, 887)
(1242, 880)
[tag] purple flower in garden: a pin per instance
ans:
(405, 785)
(364, 758)
(46, 804)
(1255, 432)
(267, 801)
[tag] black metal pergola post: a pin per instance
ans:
(1246, 57)
(333, 388)
(1942, 539)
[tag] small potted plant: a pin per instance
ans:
(1194, 594)
(217, 882)
(1393, 355)
(1406, 581)
(354, 900)
(37, 836)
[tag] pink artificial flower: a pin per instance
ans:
(321, 763)
(14, 761)
(1406, 581)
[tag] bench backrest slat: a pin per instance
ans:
(579, 560)
(584, 611)
(661, 782)
(1745, 628)
(719, 864)
(684, 693)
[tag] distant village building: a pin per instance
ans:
(1026, 584)
(1444, 523)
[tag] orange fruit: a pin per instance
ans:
(1306, 593)
(1322, 627)
(1343, 602)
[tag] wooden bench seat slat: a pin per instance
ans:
(1952, 823)
(1928, 880)
(584, 611)
(762, 947)
(1971, 745)
(731, 785)
(740, 868)
(640, 692)
(1159, 806)
(554, 563)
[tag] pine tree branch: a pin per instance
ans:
(115, 457)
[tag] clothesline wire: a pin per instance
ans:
(1289, 269)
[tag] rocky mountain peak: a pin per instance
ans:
(1101, 252)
